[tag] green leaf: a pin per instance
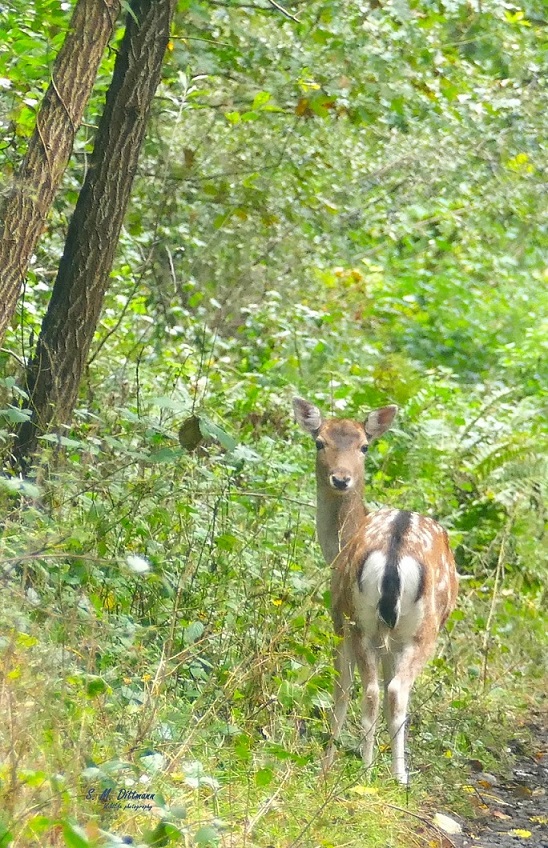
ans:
(92, 773)
(126, 6)
(35, 827)
(15, 415)
(227, 542)
(192, 632)
(14, 486)
(74, 835)
(178, 811)
(164, 402)
(32, 778)
(264, 776)
(6, 836)
(96, 686)
(206, 835)
(208, 428)
(164, 455)
(64, 441)
(252, 115)
(159, 837)
(260, 99)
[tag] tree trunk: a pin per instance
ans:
(27, 206)
(53, 376)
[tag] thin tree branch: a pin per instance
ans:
(256, 8)
(284, 11)
(499, 572)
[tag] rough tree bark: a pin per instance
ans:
(54, 374)
(27, 205)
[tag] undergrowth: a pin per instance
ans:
(165, 625)
(351, 210)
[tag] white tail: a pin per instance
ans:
(393, 580)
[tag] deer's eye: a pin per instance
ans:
(319, 444)
(364, 448)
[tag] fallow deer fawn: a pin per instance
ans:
(393, 581)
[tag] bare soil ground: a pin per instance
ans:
(512, 809)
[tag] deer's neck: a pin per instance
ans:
(338, 519)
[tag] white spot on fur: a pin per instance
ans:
(426, 540)
(423, 531)
(382, 519)
(378, 527)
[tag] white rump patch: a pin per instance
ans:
(411, 610)
(367, 597)
(371, 577)
(373, 572)
(410, 576)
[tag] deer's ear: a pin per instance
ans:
(379, 421)
(307, 415)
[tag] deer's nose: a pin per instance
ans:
(341, 481)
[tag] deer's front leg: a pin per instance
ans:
(344, 672)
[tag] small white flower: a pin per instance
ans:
(138, 564)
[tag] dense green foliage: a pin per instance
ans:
(351, 207)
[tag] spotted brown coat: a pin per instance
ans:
(393, 582)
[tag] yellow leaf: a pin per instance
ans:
(522, 163)
(447, 754)
(522, 834)
(26, 641)
(309, 85)
(277, 602)
(110, 602)
(539, 819)
(364, 790)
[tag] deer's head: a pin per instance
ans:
(341, 444)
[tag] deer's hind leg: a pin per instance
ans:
(366, 657)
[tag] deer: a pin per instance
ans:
(393, 581)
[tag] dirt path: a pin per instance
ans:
(512, 810)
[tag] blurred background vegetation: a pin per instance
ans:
(343, 200)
